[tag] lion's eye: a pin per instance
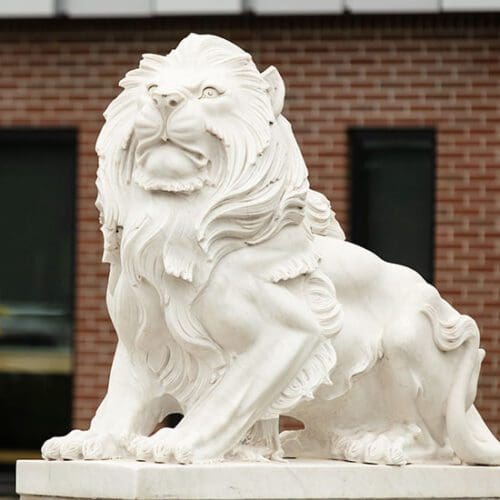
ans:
(152, 86)
(210, 92)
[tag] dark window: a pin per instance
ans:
(37, 177)
(393, 195)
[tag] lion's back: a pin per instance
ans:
(358, 273)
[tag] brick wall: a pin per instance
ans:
(441, 71)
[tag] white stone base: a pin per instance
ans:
(296, 479)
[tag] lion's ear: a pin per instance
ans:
(276, 89)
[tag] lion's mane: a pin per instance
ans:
(259, 186)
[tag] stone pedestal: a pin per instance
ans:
(295, 479)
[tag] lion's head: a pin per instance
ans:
(198, 102)
(202, 121)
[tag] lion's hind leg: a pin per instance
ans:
(393, 412)
(457, 334)
(439, 348)
(376, 421)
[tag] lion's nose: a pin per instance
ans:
(168, 100)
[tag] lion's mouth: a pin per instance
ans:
(151, 128)
(168, 165)
(196, 156)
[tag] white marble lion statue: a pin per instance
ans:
(236, 299)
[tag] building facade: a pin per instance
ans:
(392, 92)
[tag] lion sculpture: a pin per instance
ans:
(236, 299)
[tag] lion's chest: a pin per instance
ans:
(159, 245)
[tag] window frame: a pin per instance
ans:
(37, 134)
(419, 137)
(67, 136)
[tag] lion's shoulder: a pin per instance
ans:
(275, 259)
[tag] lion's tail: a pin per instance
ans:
(469, 436)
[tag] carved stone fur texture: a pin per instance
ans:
(236, 299)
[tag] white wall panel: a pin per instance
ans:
(391, 6)
(105, 8)
(147, 8)
(296, 6)
(27, 8)
(471, 5)
(194, 7)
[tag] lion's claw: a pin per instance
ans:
(101, 446)
(92, 449)
(163, 452)
(161, 447)
(141, 449)
(63, 447)
(51, 449)
(71, 450)
(183, 454)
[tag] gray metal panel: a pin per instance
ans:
(392, 6)
(195, 7)
(296, 6)
(104, 8)
(27, 8)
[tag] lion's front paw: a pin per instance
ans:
(163, 446)
(78, 445)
